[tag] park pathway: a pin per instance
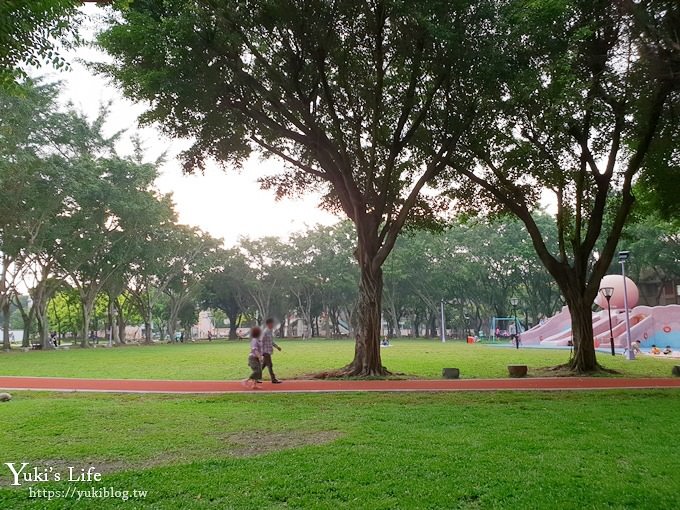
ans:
(332, 386)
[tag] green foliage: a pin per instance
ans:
(655, 244)
(30, 33)
(224, 289)
(476, 265)
(63, 312)
(74, 213)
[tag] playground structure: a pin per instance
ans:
(658, 325)
(503, 328)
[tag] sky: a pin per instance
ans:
(225, 202)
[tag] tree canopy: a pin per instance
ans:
(29, 32)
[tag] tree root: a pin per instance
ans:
(568, 369)
(351, 371)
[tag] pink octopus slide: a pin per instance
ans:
(659, 325)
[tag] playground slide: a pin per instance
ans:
(659, 325)
(555, 325)
(563, 339)
(344, 327)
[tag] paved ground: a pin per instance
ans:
(312, 386)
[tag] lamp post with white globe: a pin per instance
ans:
(607, 293)
(514, 302)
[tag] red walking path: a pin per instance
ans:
(316, 386)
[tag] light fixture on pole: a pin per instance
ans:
(623, 257)
(677, 294)
(514, 302)
(607, 293)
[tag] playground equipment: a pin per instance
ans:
(658, 325)
(502, 328)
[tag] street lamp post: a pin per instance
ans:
(514, 302)
(443, 322)
(677, 294)
(623, 257)
(114, 316)
(29, 305)
(608, 292)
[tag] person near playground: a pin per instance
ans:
(655, 350)
(268, 346)
(635, 346)
(254, 359)
(668, 350)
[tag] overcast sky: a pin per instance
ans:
(224, 202)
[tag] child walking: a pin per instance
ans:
(254, 359)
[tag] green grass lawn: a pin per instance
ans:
(227, 360)
(613, 449)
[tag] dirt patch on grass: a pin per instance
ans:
(249, 444)
(237, 444)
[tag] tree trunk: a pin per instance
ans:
(86, 314)
(432, 325)
(583, 359)
(233, 325)
(175, 306)
(120, 323)
(148, 333)
(28, 321)
(5, 326)
(43, 325)
(367, 360)
(148, 324)
(110, 326)
(393, 327)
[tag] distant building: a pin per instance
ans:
(655, 291)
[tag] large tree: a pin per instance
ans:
(341, 91)
(151, 271)
(192, 257)
(113, 212)
(224, 287)
(583, 91)
(36, 143)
